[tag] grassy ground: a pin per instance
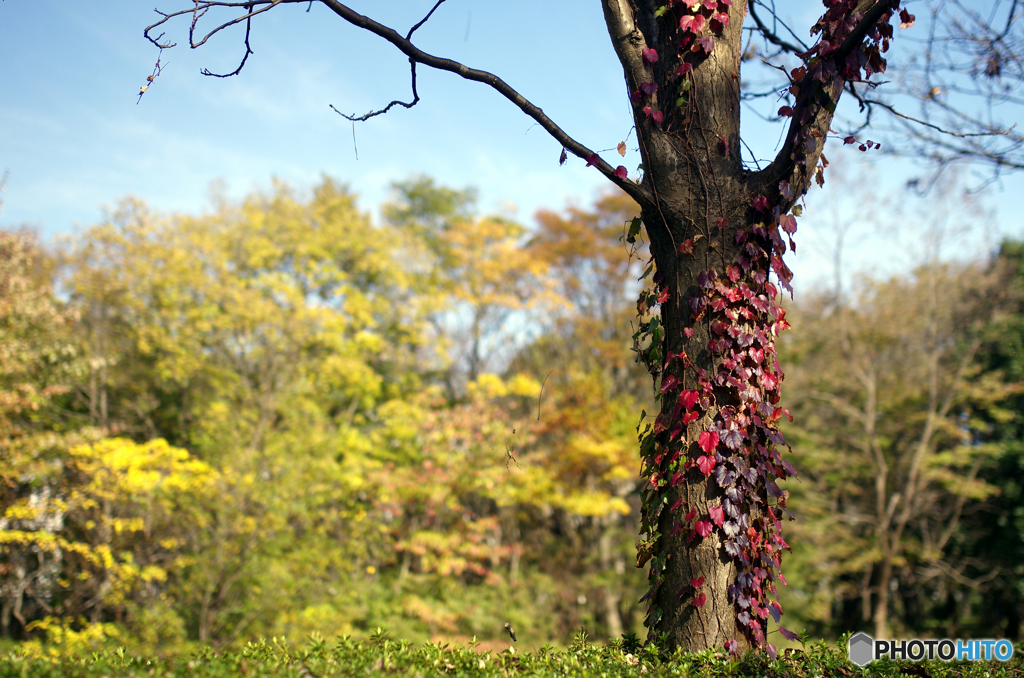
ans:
(380, 656)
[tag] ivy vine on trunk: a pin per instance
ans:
(712, 508)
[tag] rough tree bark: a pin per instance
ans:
(708, 322)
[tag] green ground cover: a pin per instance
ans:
(381, 656)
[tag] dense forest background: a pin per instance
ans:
(279, 418)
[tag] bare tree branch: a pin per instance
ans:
(245, 57)
(771, 36)
(416, 55)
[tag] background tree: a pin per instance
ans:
(716, 231)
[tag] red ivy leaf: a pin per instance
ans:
(717, 515)
(906, 19)
(700, 599)
(663, 296)
(694, 23)
(850, 140)
(684, 68)
(706, 464)
(721, 18)
(706, 43)
(688, 399)
(686, 247)
(697, 583)
(760, 203)
(690, 515)
(621, 172)
(703, 528)
(562, 158)
(708, 441)
(650, 55)
(786, 111)
(688, 332)
(592, 159)
(788, 223)
(657, 116)
(649, 88)
(668, 383)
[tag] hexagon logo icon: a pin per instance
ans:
(860, 648)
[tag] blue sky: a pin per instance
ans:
(75, 141)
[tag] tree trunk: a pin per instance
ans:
(612, 595)
(714, 536)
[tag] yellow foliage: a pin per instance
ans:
(524, 385)
(62, 639)
(488, 386)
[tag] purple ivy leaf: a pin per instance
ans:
(773, 489)
(774, 610)
(744, 522)
(732, 646)
(733, 438)
(731, 528)
(786, 190)
(706, 279)
(772, 652)
(730, 509)
(743, 602)
(743, 618)
(733, 493)
(724, 476)
(732, 548)
(788, 634)
(789, 468)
